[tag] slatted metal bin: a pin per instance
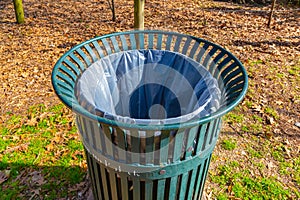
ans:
(172, 161)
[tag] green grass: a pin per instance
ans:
(229, 144)
(254, 153)
(253, 175)
(242, 184)
(294, 71)
(270, 111)
(43, 142)
(234, 118)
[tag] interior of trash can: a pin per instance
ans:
(148, 87)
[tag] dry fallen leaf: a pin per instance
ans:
(270, 165)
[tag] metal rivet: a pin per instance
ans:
(162, 172)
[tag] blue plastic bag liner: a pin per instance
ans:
(148, 87)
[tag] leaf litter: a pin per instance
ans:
(271, 56)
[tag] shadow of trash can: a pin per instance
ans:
(148, 109)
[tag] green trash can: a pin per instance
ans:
(148, 109)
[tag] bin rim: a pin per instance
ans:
(73, 104)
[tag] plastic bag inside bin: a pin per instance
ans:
(148, 87)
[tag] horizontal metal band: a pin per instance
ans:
(151, 172)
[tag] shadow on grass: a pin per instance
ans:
(25, 181)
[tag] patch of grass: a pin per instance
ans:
(257, 118)
(245, 128)
(296, 168)
(255, 62)
(222, 197)
(240, 184)
(277, 154)
(249, 104)
(280, 75)
(270, 111)
(234, 118)
(286, 167)
(294, 70)
(229, 144)
(259, 188)
(254, 153)
(256, 128)
(43, 146)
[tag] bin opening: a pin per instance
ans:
(148, 87)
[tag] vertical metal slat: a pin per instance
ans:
(177, 43)
(124, 43)
(136, 188)
(186, 45)
(132, 41)
(115, 44)
(204, 175)
(104, 182)
(98, 48)
(150, 41)
(194, 48)
(192, 183)
(169, 40)
(84, 56)
(198, 178)
(202, 51)
(178, 140)
(113, 184)
(107, 140)
(148, 190)
(135, 146)
(124, 187)
(106, 46)
(150, 147)
(78, 62)
(141, 41)
(92, 175)
(173, 188)
(183, 185)
(161, 188)
(91, 52)
(121, 145)
(159, 41)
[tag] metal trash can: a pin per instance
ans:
(135, 153)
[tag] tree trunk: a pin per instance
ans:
(139, 14)
(113, 10)
(19, 11)
(112, 7)
(271, 13)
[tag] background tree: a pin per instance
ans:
(271, 13)
(139, 14)
(112, 7)
(19, 11)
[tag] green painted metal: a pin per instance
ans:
(134, 161)
(193, 176)
(124, 187)
(173, 188)
(113, 184)
(77, 63)
(148, 190)
(183, 185)
(136, 189)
